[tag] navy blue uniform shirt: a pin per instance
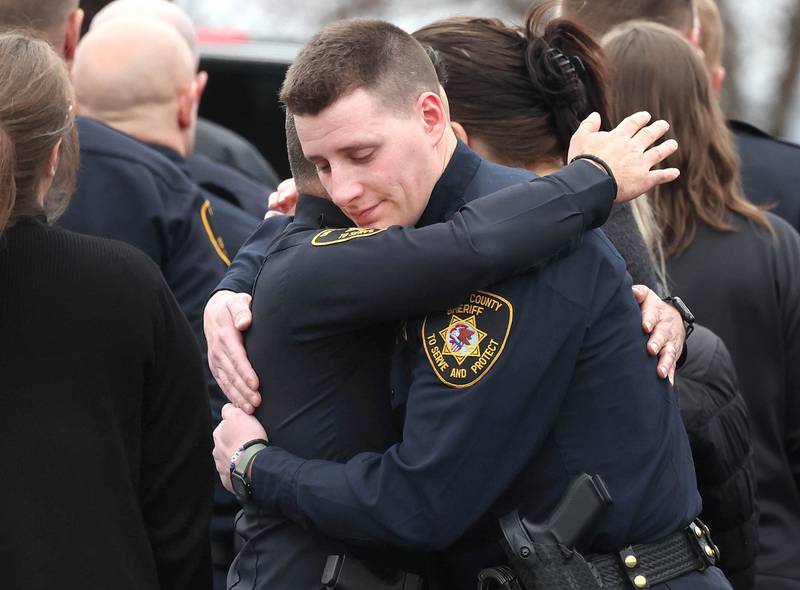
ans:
(233, 224)
(514, 391)
(321, 345)
(230, 184)
(128, 192)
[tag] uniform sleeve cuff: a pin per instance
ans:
(273, 479)
(594, 204)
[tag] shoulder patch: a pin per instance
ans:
(207, 216)
(329, 237)
(464, 342)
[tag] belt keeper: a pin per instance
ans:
(701, 540)
(631, 565)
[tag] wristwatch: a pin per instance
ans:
(688, 316)
(240, 464)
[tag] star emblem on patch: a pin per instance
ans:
(462, 338)
(464, 342)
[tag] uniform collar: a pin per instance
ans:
(447, 195)
(173, 156)
(318, 212)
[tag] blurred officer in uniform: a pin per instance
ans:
(116, 83)
(219, 179)
(516, 389)
(770, 167)
(215, 144)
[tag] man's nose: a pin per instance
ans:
(345, 188)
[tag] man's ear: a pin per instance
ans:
(695, 34)
(717, 80)
(201, 80)
(460, 132)
(434, 116)
(188, 101)
(72, 35)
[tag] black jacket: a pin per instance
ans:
(107, 476)
(716, 419)
(770, 170)
(745, 286)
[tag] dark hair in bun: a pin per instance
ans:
(522, 91)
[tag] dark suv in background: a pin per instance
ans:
(244, 81)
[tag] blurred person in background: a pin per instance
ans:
(770, 168)
(226, 184)
(128, 191)
(215, 144)
(117, 84)
(736, 264)
(516, 96)
(99, 365)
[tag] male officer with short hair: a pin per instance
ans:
(515, 389)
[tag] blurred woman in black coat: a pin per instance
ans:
(106, 471)
(737, 267)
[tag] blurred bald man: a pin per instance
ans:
(218, 179)
(220, 151)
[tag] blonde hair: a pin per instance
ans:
(35, 116)
(709, 188)
(645, 217)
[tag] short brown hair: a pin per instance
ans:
(42, 17)
(36, 114)
(709, 189)
(304, 172)
(523, 91)
(600, 16)
(360, 53)
(712, 33)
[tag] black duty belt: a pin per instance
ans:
(635, 566)
(642, 566)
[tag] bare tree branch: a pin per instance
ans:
(732, 101)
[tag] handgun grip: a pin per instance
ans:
(584, 503)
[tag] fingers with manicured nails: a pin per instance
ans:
(666, 360)
(650, 311)
(640, 293)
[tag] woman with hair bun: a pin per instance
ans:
(737, 266)
(516, 95)
(101, 487)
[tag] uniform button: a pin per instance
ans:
(640, 582)
(709, 551)
(698, 532)
(631, 561)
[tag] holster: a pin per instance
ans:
(345, 572)
(541, 566)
